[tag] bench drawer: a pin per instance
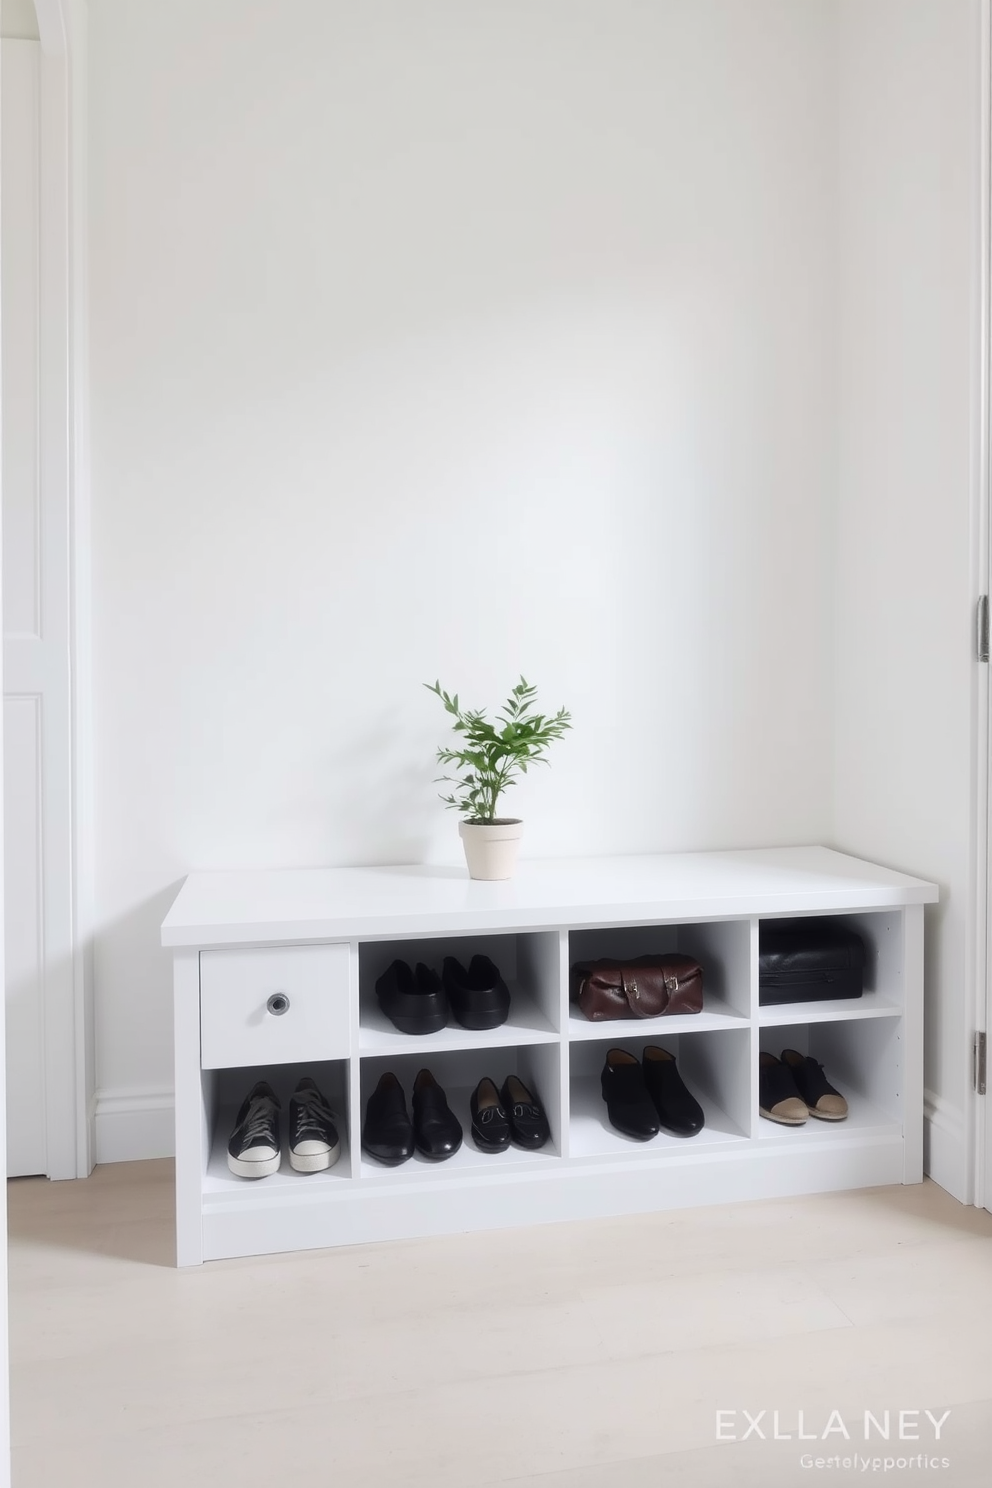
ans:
(274, 1005)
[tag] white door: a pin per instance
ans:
(36, 774)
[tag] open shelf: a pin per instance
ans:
(590, 1134)
(832, 1010)
(722, 948)
(862, 1059)
(468, 1161)
(884, 975)
(526, 1024)
(864, 1120)
(715, 1014)
(458, 1072)
(220, 1182)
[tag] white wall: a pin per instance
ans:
(453, 340)
(907, 570)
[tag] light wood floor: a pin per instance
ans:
(587, 1355)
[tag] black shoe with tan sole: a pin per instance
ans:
(822, 1100)
(778, 1098)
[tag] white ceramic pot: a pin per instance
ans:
(491, 847)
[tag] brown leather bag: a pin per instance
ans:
(647, 987)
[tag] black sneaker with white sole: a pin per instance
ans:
(314, 1144)
(253, 1151)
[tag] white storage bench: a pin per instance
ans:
(319, 938)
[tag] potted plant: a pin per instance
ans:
(490, 758)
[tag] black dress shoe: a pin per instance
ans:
(490, 1128)
(628, 1104)
(528, 1123)
(479, 997)
(437, 1131)
(388, 1132)
(679, 1112)
(414, 1001)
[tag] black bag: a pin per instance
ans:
(808, 961)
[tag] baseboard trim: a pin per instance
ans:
(134, 1124)
(945, 1145)
(86, 1157)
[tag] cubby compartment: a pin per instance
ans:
(224, 1090)
(722, 948)
(528, 963)
(884, 984)
(458, 1072)
(715, 1065)
(862, 1059)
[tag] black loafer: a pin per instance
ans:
(437, 1132)
(479, 997)
(413, 1001)
(490, 1128)
(388, 1131)
(679, 1112)
(628, 1104)
(528, 1123)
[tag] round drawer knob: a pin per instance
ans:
(278, 1004)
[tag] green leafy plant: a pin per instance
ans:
(494, 754)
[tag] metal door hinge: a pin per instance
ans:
(980, 1063)
(983, 628)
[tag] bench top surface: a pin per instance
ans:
(313, 904)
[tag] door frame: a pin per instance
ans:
(979, 1006)
(4, 1350)
(69, 1053)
